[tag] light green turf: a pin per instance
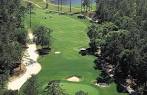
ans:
(92, 90)
(68, 37)
(73, 87)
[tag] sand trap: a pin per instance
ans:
(32, 66)
(82, 48)
(101, 84)
(73, 79)
(57, 52)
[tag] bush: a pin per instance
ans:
(42, 36)
(81, 93)
(10, 92)
(21, 36)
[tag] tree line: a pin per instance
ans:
(12, 38)
(86, 5)
(119, 41)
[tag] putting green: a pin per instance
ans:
(67, 38)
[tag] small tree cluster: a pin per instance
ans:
(53, 88)
(43, 36)
(31, 87)
(81, 93)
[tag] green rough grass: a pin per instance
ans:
(74, 87)
(68, 37)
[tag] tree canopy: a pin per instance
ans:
(11, 19)
(121, 36)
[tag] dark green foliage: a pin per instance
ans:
(97, 32)
(10, 92)
(46, 4)
(43, 36)
(123, 43)
(29, 9)
(81, 93)
(11, 15)
(53, 88)
(21, 36)
(31, 88)
(111, 9)
(86, 4)
(9, 45)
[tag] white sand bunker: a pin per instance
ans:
(101, 84)
(57, 52)
(82, 48)
(32, 66)
(73, 79)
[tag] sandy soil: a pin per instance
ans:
(32, 66)
(57, 52)
(73, 79)
(130, 90)
(101, 85)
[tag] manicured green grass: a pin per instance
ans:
(72, 88)
(69, 35)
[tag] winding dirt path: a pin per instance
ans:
(30, 60)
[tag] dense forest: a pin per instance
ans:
(119, 41)
(12, 38)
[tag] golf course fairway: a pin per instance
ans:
(68, 37)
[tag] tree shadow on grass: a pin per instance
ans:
(87, 51)
(44, 51)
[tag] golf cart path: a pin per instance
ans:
(33, 3)
(32, 66)
(57, 5)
